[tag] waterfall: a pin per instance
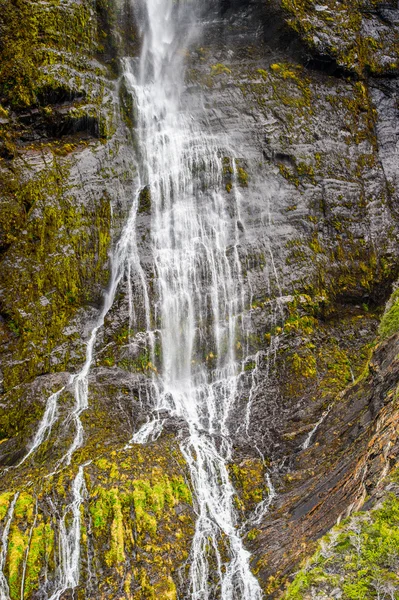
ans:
(197, 306)
(199, 292)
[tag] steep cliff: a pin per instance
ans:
(304, 97)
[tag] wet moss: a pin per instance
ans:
(40, 550)
(249, 481)
(116, 553)
(47, 270)
(219, 69)
(242, 177)
(145, 200)
(16, 551)
(328, 355)
(5, 500)
(24, 50)
(304, 364)
(24, 507)
(136, 523)
(338, 30)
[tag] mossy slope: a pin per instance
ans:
(136, 526)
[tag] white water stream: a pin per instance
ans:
(4, 589)
(310, 435)
(69, 540)
(199, 296)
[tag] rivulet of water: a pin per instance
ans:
(4, 589)
(69, 540)
(310, 435)
(124, 262)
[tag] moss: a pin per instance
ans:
(48, 269)
(149, 501)
(25, 50)
(145, 200)
(304, 324)
(289, 174)
(180, 491)
(40, 549)
(144, 512)
(253, 534)
(116, 553)
(249, 481)
(249, 366)
(290, 86)
(17, 545)
(338, 30)
(304, 365)
(24, 507)
(219, 69)
(390, 320)
(100, 511)
(166, 589)
(5, 500)
(329, 354)
(136, 522)
(47, 59)
(242, 177)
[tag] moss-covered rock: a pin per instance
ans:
(136, 525)
(52, 268)
(357, 34)
(390, 320)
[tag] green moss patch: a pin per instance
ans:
(390, 320)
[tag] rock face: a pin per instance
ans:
(304, 100)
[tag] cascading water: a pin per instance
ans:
(199, 294)
(4, 590)
(69, 540)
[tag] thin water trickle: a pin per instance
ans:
(49, 418)
(68, 571)
(125, 259)
(310, 435)
(4, 589)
